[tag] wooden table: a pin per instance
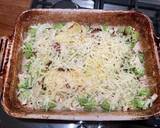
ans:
(9, 10)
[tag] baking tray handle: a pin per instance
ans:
(4, 53)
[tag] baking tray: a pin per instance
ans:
(11, 59)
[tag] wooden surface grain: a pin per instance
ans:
(9, 10)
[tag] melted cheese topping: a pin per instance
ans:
(74, 61)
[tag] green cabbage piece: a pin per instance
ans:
(58, 25)
(144, 92)
(138, 103)
(24, 84)
(139, 72)
(49, 105)
(105, 106)
(134, 35)
(28, 50)
(32, 32)
(141, 57)
(105, 27)
(87, 103)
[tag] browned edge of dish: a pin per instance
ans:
(9, 101)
